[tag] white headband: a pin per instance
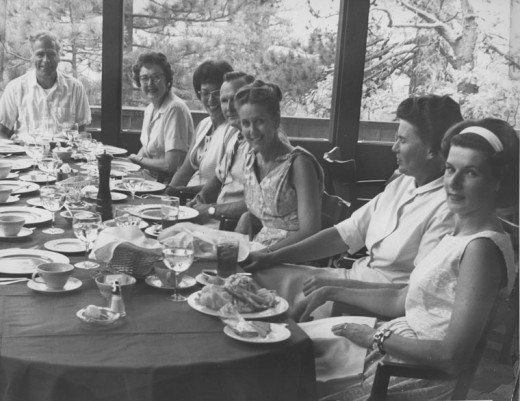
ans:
(487, 135)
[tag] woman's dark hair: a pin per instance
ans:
(431, 115)
(153, 58)
(210, 72)
(234, 75)
(259, 92)
(503, 164)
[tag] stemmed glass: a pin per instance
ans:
(71, 132)
(52, 198)
(178, 257)
(49, 165)
(86, 226)
(133, 184)
(35, 149)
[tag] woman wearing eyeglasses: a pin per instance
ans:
(167, 124)
(283, 184)
(213, 133)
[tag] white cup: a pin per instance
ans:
(10, 225)
(5, 192)
(55, 275)
(5, 169)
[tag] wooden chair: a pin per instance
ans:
(385, 370)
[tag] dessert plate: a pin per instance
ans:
(146, 186)
(21, 164)
(278, 333)
(116, 196)
(38, 178)
(280, 307)
(125, 166)
(71, 285)
(32, 215)
(154, 281)
(114, 150)
(25, 261)
(65, 245)
(20, 187)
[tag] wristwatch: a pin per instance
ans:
(212, 210)
(379, 338)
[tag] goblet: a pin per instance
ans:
(35, 149)
(49, 165)
(133, 184)
(86, 226)
(178, 257)
(52, 198)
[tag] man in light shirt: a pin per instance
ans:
(43, 99)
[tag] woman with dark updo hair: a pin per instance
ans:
(283, 184)
(167, 124)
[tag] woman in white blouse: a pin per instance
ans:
(167, 124)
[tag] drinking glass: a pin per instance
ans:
(133, 184)
(52, 198)
(178, 257)
(71, 132)
(49, 165)
(35, 149)
(86, 226)
(169, 211)
(123, 218)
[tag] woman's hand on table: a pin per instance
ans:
(360, 334)
(318, 281)
(303, 309)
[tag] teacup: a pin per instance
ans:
(5, 169)
(55, 275)
(10, 225)
(5, 192)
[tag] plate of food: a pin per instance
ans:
(251, 331)
(239, 292)
(98, 316)
(125, 165)
(146, 186)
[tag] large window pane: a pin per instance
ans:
(455, 47)
(289, 42)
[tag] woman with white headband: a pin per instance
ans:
(440, 316)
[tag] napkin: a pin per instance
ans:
(111, 237)
(336, 357)
(205, 240)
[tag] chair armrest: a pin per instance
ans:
(386, 369)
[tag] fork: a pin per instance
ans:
(20, 280)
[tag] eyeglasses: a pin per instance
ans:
(145, 79)
(214, 95)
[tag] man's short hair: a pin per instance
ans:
(45, 35)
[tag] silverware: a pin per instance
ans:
(22, 280)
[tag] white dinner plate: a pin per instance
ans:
(113, 150)
(25, 261)
(24, 232)
(203, 279)
(116, 196)
(153, 212)
(11, 199)
(39, 178)
(280, 307)
(13, 149)
(125, 166)
(32, 215)
(13, 175)
(21, 164)
(112, 223)
(65, 245)
(71, 285)
(146, 186)
(154, 281)
(20, 187)
(278, 333)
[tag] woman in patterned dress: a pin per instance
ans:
(282, 184)
(440, 316)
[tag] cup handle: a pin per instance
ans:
(35, 278)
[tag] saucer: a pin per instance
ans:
(24, 232)
(71, 285)
(154, 281)
(154, 230)
(11, 199)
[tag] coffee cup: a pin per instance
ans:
(5, 169)
(10, 225)
(55, 275)
(5, 192)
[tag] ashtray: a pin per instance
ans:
(98, 316)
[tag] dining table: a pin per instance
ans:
(161, 350)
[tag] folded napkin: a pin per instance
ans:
(111, 237)
(206, 239)
(336, 357)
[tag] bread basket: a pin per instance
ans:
(134, 260)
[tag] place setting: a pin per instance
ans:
(11, 227)
(19, 187)
(53, 278)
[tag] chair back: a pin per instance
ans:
(342, 174)
(333, 210)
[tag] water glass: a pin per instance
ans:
(178, 257)
(86, 226)
(169, 211)
(122, 217)
(227, 257)
(52, 198)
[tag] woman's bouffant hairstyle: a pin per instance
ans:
(210, 72)
(503, 164)
(432, 116)
(234, 75)
(153, 58)
(264, 93)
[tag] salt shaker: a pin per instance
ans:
(116, 303)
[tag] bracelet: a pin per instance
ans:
(140, 159)
(379, 338)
